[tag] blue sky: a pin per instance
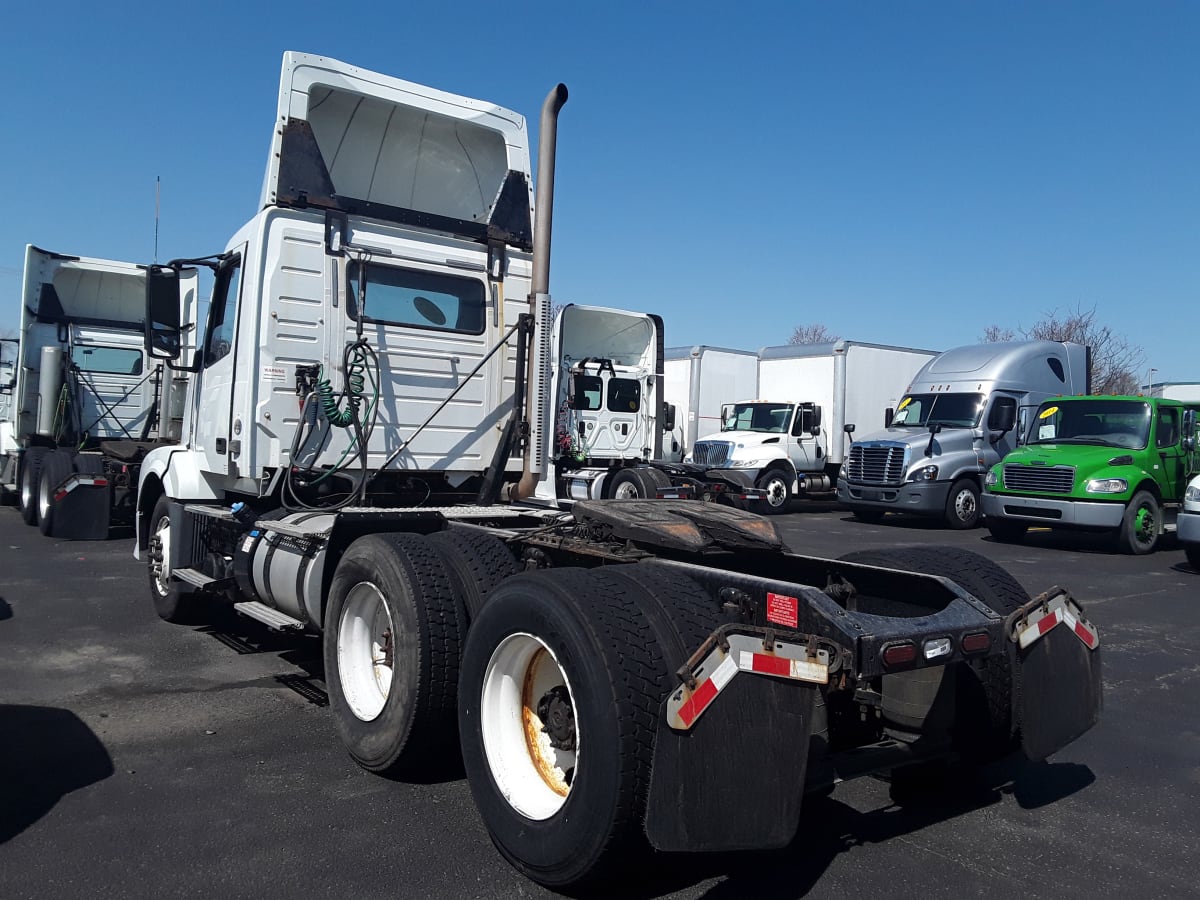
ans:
(904, 173)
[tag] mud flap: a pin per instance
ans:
(1059, 690)
(735, 781)
(81, 514)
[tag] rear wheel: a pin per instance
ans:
(777, 483)
(174, 601)
(1139, 529)
(476, 563)
(962, 504)
(638, 483)
(985, 698)
(392, 647)
(56, 467)
(1005, 530)
(31, 470)
(563, 677)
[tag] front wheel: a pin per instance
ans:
(56, 467)
(778, 487)
(174, 601)
(962, 505)
(30, 473)
(1139, 529)
(1192, 552)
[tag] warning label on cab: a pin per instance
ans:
(783, 610)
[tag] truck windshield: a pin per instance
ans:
(1105, 423)
(763, 417)
(949, 410)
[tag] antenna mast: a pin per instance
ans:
(157, 191)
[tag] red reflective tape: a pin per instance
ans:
(703, 695)
(771, 665)
(1047, 622)
(58, 495)
(783, 610)
(1084, 635)
(100, 482)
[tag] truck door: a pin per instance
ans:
(1172, 475)
(218, 370)
(803, 446)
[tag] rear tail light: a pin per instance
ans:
(901, 654)
(976, 642)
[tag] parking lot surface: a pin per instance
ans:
(144, 759)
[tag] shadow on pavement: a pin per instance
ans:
(829, 828)
(45, 753)
(5, 610)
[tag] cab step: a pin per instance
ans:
(198, 579)
(272, 618)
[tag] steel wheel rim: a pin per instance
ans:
(776, 491)
(1144, 525)
(28, 489)
(43, 501)
(626, 490)
(365, 644)
(532, 774)
(964, 506)
(160, 555)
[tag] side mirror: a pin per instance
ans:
(848, 428)
(668, 417)
(164, 335)
(1189, 430)
(888, 415)
(814, 426)
(1003, 416)
(935, 429)
(728, 420)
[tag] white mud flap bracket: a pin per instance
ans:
(1058, 693)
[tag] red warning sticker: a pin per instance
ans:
(783, 610)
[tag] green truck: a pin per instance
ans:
(1116, 464)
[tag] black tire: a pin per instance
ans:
(637, 483)
(416, 725)
(868, 515)
(1141, 524)
(174, 601)
(778, 485)
(962, 504)
(986, 697)
(31, 470)
(617, 675)
(56, 467)
(1192, 552)
(1006, 531)
(477, 564)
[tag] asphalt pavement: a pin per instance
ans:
(141, 759)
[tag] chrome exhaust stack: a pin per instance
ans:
(537, 401)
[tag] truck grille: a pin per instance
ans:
(1039, 479)
(876, 464)
(713, 454)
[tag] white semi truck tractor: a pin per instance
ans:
(371, 417)
(84, 402)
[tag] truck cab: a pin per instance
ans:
(767, 444)
(1119, 464)
(963, 412)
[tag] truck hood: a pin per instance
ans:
(917, 439)
(746, 440)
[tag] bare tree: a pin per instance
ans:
(813, 334)
(1115, 361)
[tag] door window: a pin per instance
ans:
(107, 360)
(419, 299)
(222, 317)
(624, 395)
(1167, 430)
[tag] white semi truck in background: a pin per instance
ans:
(368, 457)
(959, 416)
(85, 401)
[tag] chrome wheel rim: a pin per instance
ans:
(160, 555)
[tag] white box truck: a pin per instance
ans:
(698, 381)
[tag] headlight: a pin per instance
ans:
(925, 473)
(745, 463)
(1192, 493)
(1107, 486)
(992, 478)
